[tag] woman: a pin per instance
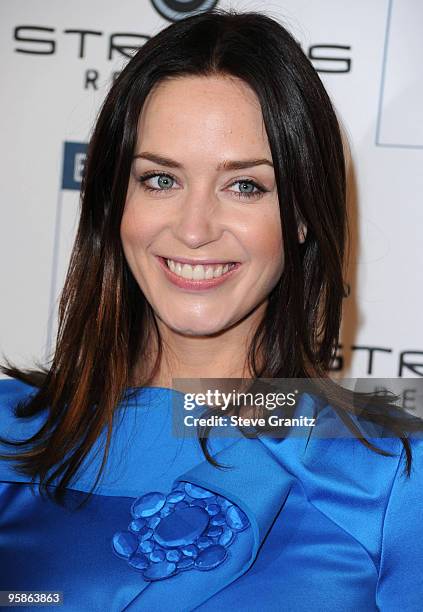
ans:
(210, 245)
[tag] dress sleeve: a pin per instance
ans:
(12, 428)
(400, 583)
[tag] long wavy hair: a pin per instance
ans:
(105, 322)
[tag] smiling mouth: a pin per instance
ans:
(198, 272)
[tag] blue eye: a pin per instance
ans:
(248, 189)
(163, 181)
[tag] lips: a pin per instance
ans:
(182, 277)
(201, 262)
(198, 271)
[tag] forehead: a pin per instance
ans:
(202, 113)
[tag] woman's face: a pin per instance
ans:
(202, 194)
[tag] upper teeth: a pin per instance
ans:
(197, 272)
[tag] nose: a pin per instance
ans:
(198, 219)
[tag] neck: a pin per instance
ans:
(221, 355)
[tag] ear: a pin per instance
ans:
(302, 232)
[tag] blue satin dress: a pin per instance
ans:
(330, 525)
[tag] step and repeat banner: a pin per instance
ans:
(59, 58)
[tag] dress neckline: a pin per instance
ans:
(147, 388)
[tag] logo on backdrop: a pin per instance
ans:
(74, 156)
(372, 359)
(173, 10)
(49, 42)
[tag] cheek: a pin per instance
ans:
(128, 227)
(134, 231)
(266, 241)
(127, 237)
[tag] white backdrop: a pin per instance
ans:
(58, 61)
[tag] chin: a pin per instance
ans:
(196, 328)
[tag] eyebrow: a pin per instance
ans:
(225, 165)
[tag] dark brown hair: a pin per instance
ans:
(106, 323)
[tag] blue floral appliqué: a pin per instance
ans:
(190, 528)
